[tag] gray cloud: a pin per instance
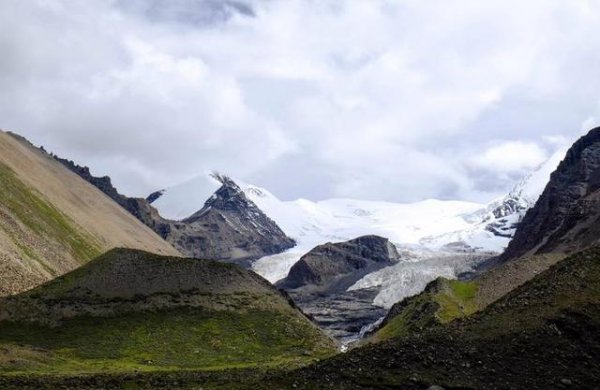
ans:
(394, 100)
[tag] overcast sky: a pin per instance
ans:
(393, 100)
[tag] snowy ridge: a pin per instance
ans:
(183, 200)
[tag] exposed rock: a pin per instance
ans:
(339, 265)
(566, 216)
(318, 283)
(229, 227)
(234, 228)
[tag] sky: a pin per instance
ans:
(375, 99)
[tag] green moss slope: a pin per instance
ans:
(442, 302)
(171, 340)
(131, 311)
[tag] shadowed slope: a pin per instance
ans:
(544, 334)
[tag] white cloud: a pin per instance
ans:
(510, 157)
(372, 98)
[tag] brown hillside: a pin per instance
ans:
(52, 221)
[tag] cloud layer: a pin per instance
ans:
(395, 100)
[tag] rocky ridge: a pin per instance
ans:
(229, 227)
(565, 218)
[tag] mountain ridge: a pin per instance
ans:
(51, 221)
(235, 229)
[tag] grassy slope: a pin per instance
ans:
(439, 304)
(43, 220)
(447, 300)
(165, 340)
(231, 319)
(52, 221)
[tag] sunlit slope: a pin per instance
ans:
(52, 221)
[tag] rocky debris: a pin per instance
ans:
(565, 217)
(342, 315)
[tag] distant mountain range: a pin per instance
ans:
(426, 226)
(435, 238)
(227, 226)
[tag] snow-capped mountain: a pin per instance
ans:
(426, 230)
(434, 238)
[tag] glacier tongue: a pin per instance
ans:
(408, 278)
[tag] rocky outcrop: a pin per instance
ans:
(229, 227)
(566, 217)
(319, 281)
(330, 263)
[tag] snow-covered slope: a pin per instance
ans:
(183, 200)
(499, 218)
(334, 220)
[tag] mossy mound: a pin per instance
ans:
(132, 311)
(441, 302)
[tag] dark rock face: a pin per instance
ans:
(229, 227)
(566, 217)
(318, 283)
(331, 264)
(155, 195)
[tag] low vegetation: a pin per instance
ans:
(129, 312)
(161, 341)
(442, 302)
